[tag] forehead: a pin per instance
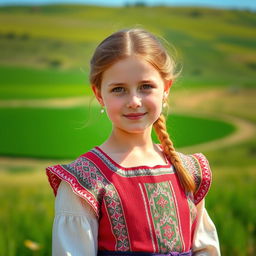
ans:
(129, 70)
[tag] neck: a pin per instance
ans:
(122, 142)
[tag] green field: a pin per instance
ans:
(29, 83)
(215, 47)
(45, 54)
(66, 133)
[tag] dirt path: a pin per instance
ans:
(202, 104)
(229, 104)
(49, 103)
(244, 131)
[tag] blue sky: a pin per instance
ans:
(241, 4)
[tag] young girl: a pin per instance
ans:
(130, 196)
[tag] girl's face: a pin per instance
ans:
(132, 91)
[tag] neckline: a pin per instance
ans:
(167, 165)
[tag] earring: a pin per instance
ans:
(102, 110)
(164, 100)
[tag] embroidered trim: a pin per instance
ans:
(114, 208)
(88, 182)
(57, 173)
(192, 167)
(164, 215)
(206, 177)
(128, 173)
(192, 210)
(85, 179)
(117, 219)
(178, 216)
(198, 166)
(148, 218)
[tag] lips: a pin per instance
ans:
(135, 115)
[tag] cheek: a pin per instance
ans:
(113, 102)
(155, 105)
(113, 107)
(154, 101)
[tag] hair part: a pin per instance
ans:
(128, 42)
(139, 42)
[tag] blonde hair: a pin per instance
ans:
(140, 42)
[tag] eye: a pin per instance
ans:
(146, 86)
(118, 89)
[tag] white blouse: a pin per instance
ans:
(75, 228)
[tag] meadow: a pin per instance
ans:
(66, 133)
(210, 44)
(44, 55)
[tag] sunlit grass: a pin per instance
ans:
(231, 201)
(68, 132)
(206, 38)
(26, 217)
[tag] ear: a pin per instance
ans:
(167, 86)
(97, 94)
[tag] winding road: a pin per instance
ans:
(245, 130)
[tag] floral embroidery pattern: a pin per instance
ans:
(192, 209)
(206, 177)
(148, 217)
(115, 212)
(164, 216)
(133, 172)
(83, 172)
(192, 166)
(198, 166)
(88, 176)
(162, 202)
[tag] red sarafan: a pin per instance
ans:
(166, 217)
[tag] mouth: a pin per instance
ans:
(135, 116)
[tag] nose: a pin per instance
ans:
(134, 101)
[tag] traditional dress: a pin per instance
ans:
(140, 209)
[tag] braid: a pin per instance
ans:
(185, 178)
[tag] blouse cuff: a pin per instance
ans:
(75, 226)
(206, 241)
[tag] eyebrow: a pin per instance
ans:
(141, 82)
(147, 81)
(115, 84)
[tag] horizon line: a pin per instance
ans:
(138, 4)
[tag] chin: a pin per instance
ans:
(137, 130)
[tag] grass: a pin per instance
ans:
(47, 77)
(29, 83)
(35, 213)
(231, 200)
(66, 133)
(208, 41)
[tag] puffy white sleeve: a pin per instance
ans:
(75, 227)
(206, 242)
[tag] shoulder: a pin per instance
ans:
(82, 175)
(198, 166)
